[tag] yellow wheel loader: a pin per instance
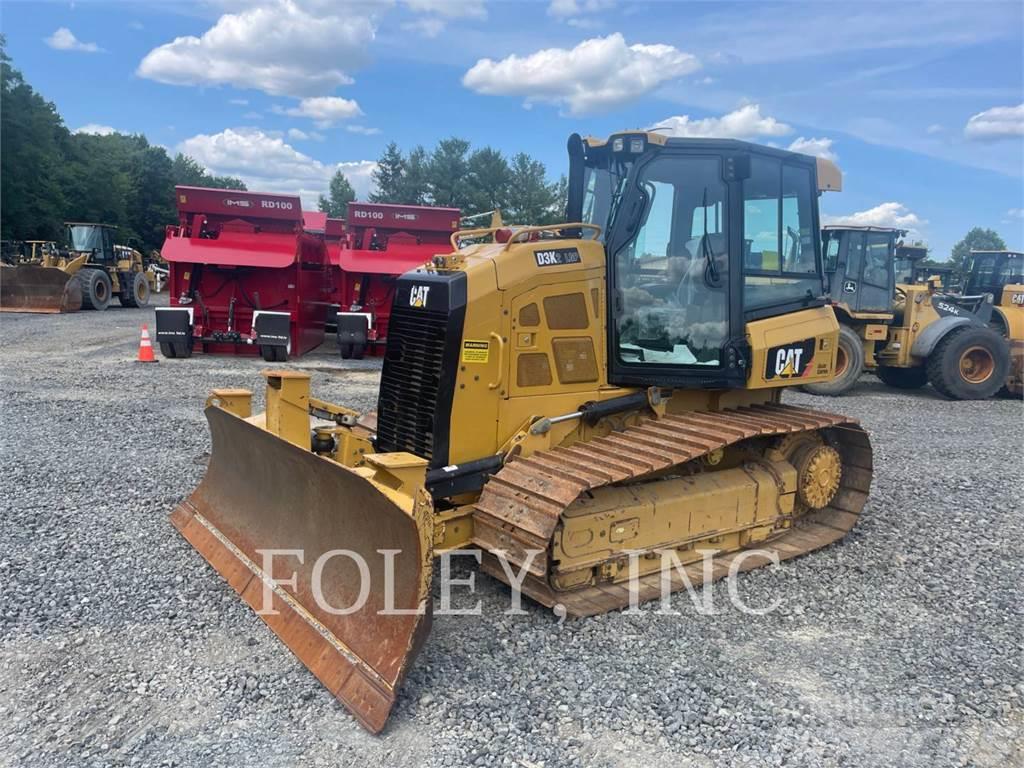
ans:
(908, 334)
(1000, 274)
(87, 274)
(594, 407)
(37, 277)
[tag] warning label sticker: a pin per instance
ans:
(475, 351)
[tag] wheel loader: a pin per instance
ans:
(86, 274)
(1001, 274)
(581, 404)
(908, 334)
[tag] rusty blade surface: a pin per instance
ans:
(262, 493)
(31, 288)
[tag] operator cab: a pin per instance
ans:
(990, 271)
(702, 235)
(94, 239)
(907, 265)
(860, 265)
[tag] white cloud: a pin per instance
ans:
(451, 9)
(885, 215)
(425, 27)
(239, 102)
(96, 129)
(596, 75)
(934, 128)
(818, 147)
(439, 13)
(996, 123)
(252, 115)
(268, 163)
(362, 130)
(1016, 213)
(283, 47)
(747, 122)
(566, 8)
(295, 133)
(64, 40)
(324, 110)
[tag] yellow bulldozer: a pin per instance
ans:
(594, 406)
(87, 273)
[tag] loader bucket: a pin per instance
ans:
(31, 288)
(263, 493)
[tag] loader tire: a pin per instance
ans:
(136, 294)
(96, 289)
(346, 350)
(183, 348)
(903, 378)
(969, 364)
(849, 365)
(167, 349)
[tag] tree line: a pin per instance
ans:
(454, 175)
(49, 175)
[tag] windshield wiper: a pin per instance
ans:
(711, 277)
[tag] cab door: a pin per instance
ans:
(877, 273)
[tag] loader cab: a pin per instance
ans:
(702, 236)
(94, 239)
(990, 271)
(908, 269)
(860, 265)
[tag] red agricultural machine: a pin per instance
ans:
(245, 276)
(252, 272)
(380, 243)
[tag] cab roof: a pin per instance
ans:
(830, 178)
(856, 228)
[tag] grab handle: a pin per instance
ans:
(501, 360)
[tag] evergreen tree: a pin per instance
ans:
(488, 178)
(447, 173)
(340, 195)
(387, 176)
(414, 186)
(532, 200)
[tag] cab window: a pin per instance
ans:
(876, 259)
(779, 235)
(672, 277)
(831, 253)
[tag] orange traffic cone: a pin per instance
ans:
(146, 347)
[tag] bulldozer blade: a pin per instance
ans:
(31, 288)
(273, 520)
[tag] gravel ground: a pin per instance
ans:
(900, 646)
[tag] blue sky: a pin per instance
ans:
(921, 103)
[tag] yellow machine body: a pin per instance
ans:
(1011, 310)
(549, 467)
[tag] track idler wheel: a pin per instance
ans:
(819, 469)
(819, 472)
